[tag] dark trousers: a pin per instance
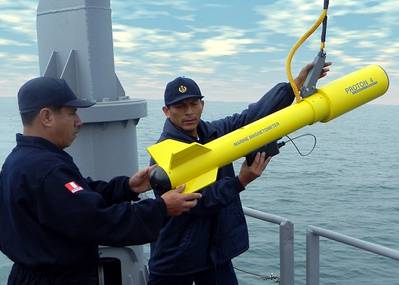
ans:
(219, 275)
(22, 275)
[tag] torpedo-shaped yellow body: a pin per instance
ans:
(196, 165)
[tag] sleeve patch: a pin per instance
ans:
(73, 187)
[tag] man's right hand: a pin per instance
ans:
(178, 202)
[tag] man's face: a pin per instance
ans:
(186, 114)
(66, 126)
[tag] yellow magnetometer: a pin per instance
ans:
(197, 165)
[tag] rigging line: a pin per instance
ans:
(322, 18)
(271, 276)
(297, 149)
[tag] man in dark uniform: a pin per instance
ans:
(51, 218)
(198, 246)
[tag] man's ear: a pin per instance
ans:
(165, 110)
(46, 117)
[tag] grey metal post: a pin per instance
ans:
(286, 253)
(75, 43)
(286, 243)
(312, 258)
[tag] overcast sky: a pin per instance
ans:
(235, 50)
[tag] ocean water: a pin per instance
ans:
(349, 184)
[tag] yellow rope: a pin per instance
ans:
(293, 50)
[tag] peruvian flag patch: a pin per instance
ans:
(73, 187)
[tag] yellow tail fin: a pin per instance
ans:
(169, 153)
(201, 181)
(191, 151)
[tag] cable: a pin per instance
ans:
(271, 276)
(322, 19)
(280, 144)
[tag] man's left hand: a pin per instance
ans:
(250, 173)
(300, 79)
(140, 182)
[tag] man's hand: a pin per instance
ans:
(140, 182)
(177, 202)
(250, 173)
(300, 79)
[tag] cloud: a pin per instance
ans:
(130, 39)
(19, 17)
(154, 41)
(144, 14)
(359, 32)
(7, 42)
(18, 61)
(193, 51)
(202, 50)
(148, 8)
(224, 45)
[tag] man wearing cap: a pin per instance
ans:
(51, 218)
(198, 246)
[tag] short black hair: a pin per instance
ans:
(28, 117)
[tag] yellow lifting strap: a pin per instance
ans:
(320, 20)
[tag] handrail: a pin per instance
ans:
(313, 250)
(286, 242)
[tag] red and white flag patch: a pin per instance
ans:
(73, 187)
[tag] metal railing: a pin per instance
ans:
(286, 243)
(313, 250)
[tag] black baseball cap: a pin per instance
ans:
(43, 92)
(181, 89)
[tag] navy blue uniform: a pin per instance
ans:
(205, 239)
(52, 219)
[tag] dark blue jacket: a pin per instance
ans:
(215, 231)
(50, 216)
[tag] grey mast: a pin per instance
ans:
(75, 43)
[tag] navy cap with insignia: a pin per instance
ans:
(180, 89)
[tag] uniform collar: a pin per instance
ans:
(205, 132)
(40, 142)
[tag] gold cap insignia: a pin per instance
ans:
(182, 89)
